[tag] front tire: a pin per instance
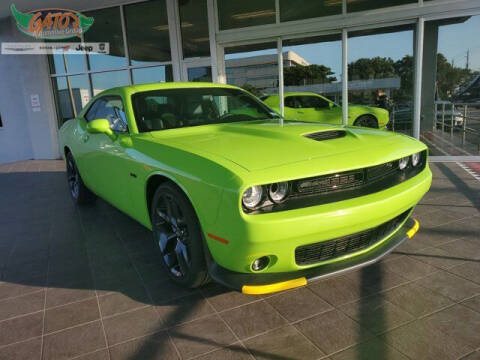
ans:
(177, 232)
(80, 193)
(369, 121)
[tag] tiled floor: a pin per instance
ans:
(85, 283)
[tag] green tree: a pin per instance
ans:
(449, 78)
(252, 89)
(371, 68)
(307, 75)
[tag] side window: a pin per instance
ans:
(110, 108)
(290, 102)
(313, 102)
(91, 113)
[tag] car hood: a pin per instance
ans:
(259, 145)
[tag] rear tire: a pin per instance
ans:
(366, 121)
(177, 232)
(80, 193)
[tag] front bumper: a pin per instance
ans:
(250, 283)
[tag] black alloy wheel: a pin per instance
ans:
(177, 232)
(366, 121)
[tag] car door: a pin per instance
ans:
(293, 109)
(105, 157)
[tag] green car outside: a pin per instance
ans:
(312, 107)
(232, 194)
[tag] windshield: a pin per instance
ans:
(176, 108)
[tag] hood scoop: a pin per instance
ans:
(326, 135)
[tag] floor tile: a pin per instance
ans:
(283, 343)
(153, 347)
(129, 298)
(339, 290)
(451, 286)
(74, 341)
(183, 309)
(371, 349)
(459, 323)
(469, 270)
(59, 318)
(223, 298)
(417, 340)
(416, 300)
(252, 319)
(21, 328)
(298, 304)
(201, 336)
(376, 314)
(232, 352)
(131, 324)
(473, 303)
(409, 268)
(26, 350)
(333, 331)
(436, 257)
(22, 305)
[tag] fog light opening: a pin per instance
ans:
(260, 263)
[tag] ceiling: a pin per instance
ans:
(79, 5)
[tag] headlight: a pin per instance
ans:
(415, 159)
(402, 163)
(252, 197)
(278, 192)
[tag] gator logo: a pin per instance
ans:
(52, 24)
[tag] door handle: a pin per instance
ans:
(300, 112)
(85, 138)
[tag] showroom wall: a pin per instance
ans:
(26, 104)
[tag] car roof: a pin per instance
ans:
(131, 89)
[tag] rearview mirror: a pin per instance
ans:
(101, 126)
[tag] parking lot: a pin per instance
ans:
(86, 283)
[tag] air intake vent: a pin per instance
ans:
(326, 135)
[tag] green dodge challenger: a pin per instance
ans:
(312, 107)
(232, 194)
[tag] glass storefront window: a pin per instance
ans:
(450, 108)
(253, 67)
(106, 80)
(63, 99)
(200, 74)
(147, 32)
(290, 10)
(234, 14)
(57, 64)
(152, 74)
(80, 89)
(361, 5)
(194, 25)
(380, 75)
(107, 27)
(313, 66)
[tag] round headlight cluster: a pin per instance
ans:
(254, 196)
(415, 159)
(403, 163)
(278, 192)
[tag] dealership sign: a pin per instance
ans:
(51, 24)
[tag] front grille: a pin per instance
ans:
(326, 135)
(330, 249)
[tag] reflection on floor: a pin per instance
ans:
(85, 283)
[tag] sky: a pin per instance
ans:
(453, 41)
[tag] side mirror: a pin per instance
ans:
(331, 105)
(101, 126)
